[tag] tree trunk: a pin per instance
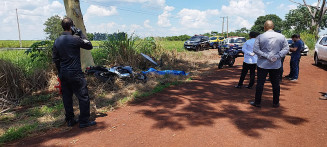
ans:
(73, 11)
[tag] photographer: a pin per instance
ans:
(66, 56)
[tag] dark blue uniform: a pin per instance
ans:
(66, 56)
(295, 59)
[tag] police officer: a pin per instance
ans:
(66, 56)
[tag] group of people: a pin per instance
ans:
(267, 52)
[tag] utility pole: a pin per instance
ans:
(222, 28)
(227, 26)
(20, 41)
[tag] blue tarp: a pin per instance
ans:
(171, 72)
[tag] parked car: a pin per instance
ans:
(304, 52)
(234, 42)
(215, 40)
(320, 55)
(197, 43)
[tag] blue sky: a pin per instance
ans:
(141, 17)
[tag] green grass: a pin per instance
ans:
(172, 45)
(14, 133)
(33, 100)
(22, 60)
(28, 43)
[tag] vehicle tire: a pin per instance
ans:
(220, 65)
(198, 48)
(316, 59)
(231, 63)
(214, 46)
(208, 46)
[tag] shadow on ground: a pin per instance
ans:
(205, 100)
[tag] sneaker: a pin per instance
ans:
(255, 105)
(293, 80)
(71, 122)
(248, 87)
(88, 124)
(276, 105)
(323, 97)
(238, 86)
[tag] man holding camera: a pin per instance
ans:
(270, 47)
(66, 56)
(295, 57)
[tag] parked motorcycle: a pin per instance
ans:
(228, 57)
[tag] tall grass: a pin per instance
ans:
(309, 39)
(28, 43)
(22, 60)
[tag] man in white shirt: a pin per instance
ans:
(250, 61)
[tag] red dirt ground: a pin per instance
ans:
(209, 111)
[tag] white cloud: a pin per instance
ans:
(163, 19)
(101, 11)
(245, 8)
(284, 7)
(147, 3)
(292, 7)
(192, 18)
(32, 14)
(147, 24)
(243, 22)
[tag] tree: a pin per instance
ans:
(259, 23)
(90, 36)
(53, 27)
(299, 20)
(242, 30)
(316, 14)
(73, 11)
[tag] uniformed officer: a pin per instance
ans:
(66, 56)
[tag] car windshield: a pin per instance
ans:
(195, 39)
(221, 38)
(239, 40)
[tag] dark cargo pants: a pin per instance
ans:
(75, 82)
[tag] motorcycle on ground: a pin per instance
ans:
(228, 57)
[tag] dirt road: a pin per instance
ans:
(209, 111)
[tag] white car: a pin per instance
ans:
(304, 52)
(320, 55)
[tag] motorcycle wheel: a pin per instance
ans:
(231, 63)
(220, 65)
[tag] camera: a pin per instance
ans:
(76, 31)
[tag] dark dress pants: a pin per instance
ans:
(261, 79)
(245, 69)
(73, 82)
